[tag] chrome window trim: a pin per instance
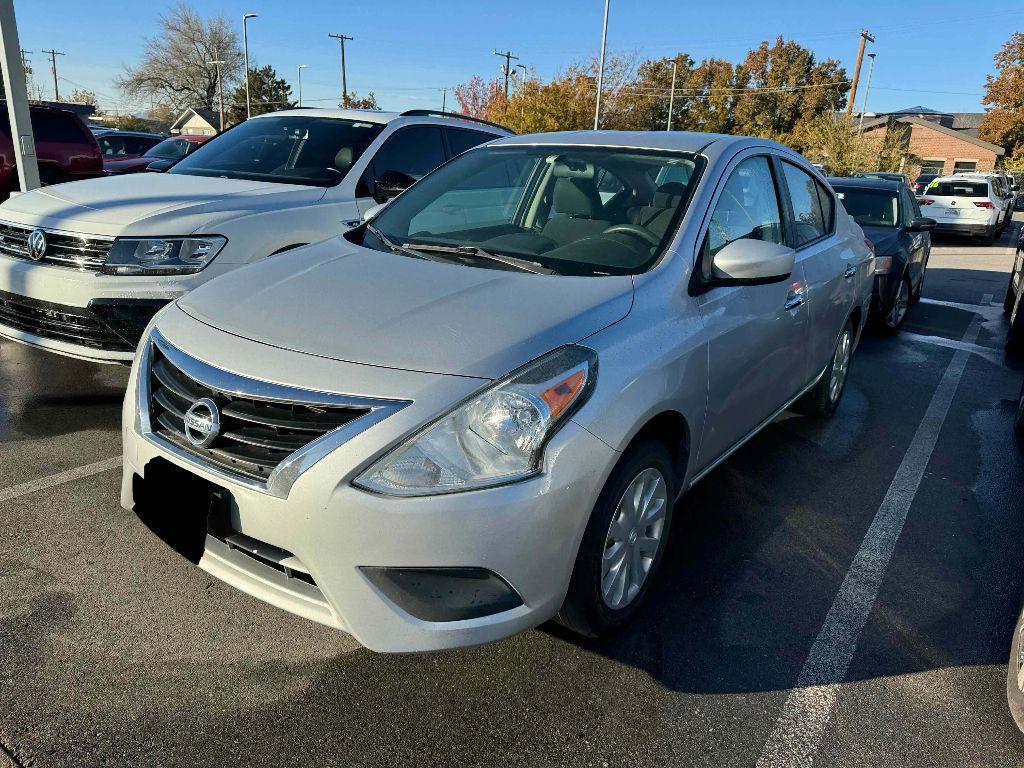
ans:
(284, 476)
(55, 231)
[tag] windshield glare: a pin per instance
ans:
(168, 149)
(580, 211)
(316, 151)
(870, 207)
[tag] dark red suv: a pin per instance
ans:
(65, 148)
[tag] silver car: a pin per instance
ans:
(475, 412)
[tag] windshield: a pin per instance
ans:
(315, 151)
(168, 149)
(580, 211)
(870, 207)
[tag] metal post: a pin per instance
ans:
(344, 79)
(671, 97)
(299, 78)
(245, 49)
(444, 99)
(867, 90)
(506, 69)
(17, 99)
(53, 67)
(600, 69)
(865, 38)
(220, 91)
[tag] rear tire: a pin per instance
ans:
(824, 398)
(988, 239)
(601, 597)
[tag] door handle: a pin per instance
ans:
(851, 270)
(794, 300)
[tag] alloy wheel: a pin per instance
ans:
(899, 306)
(633, 538)
(840, 366)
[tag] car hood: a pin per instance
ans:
(348, 303)
(148, 204)
(885, 239)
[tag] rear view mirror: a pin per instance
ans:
(922, 224)
(751, 262)
(391, 184)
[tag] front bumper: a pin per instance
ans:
(84, 314)
(526, 534)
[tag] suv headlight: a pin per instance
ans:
(494, 438)
(162, 255)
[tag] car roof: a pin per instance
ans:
(866, 182)
(711, 144)
(383, 118)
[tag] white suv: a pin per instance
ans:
(967, 204)
(85, 265)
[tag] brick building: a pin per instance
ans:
(941, 142)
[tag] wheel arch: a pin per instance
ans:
(671, 428)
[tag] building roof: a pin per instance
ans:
(210, 117)
(918, 110)
(963, 135)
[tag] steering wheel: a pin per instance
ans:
(636, 230)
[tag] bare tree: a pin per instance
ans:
(176, 67)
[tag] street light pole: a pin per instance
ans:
(220, 91)
(671, 97)
(17, 99)
(600, 68)
(299, 78)
(867, 90)
(245, 49)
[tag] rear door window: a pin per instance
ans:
(55, 127)
(809, 223)
(460, 139)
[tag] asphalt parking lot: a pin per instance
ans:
(116, 651)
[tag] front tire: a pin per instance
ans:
(893, 320)
(824, 397)
(624, 542)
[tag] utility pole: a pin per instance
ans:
(865, 38)
(444, 99)
(220, 91)
(600, 69)
(867, 90)
(245, 48)
(671, 97)
(17, 100)
(53, 66)
(344, 82)
(298, 77)
(506, 69)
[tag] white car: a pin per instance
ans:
(966, 204)
(85, 265)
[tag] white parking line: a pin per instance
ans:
(797, 734)
(32, 486)
(992, 355)
(983, 308)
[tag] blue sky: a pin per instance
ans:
(934, 53)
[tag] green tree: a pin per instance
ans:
(354, 101)
(130, 123)
(267, 93)
(1004, 123)
(834, 141)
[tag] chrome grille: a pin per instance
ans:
(64, 249)
(257, 434)
(75, 325)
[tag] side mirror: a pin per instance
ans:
(922, 224)
(374, 210)
(391, 184)
(751, 262)
(1015, 188)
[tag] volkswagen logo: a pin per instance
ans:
(37, 244)
(202, 422)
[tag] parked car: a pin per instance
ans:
(892, 221)
(84, 266)
(475, 411)
(119, 145)
(965, 205)
(922, 181)
(1013, 302)
(157, 158)
(65, 149)
(900, 177)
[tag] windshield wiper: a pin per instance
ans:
(523, 265)
(395, 247)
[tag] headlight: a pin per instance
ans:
(496, 437)
(162, 255)
(883, 264)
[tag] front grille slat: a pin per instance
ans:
(82, 252)
(255, 435)
(57, 321)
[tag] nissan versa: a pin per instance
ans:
(474, 412)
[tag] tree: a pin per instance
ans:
(478, 98)
(267, 93)
(176, 66)
(82, 96)
(130, 123)
(835, 141)
(784, 88)
(355, 101)
(1004, 123)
